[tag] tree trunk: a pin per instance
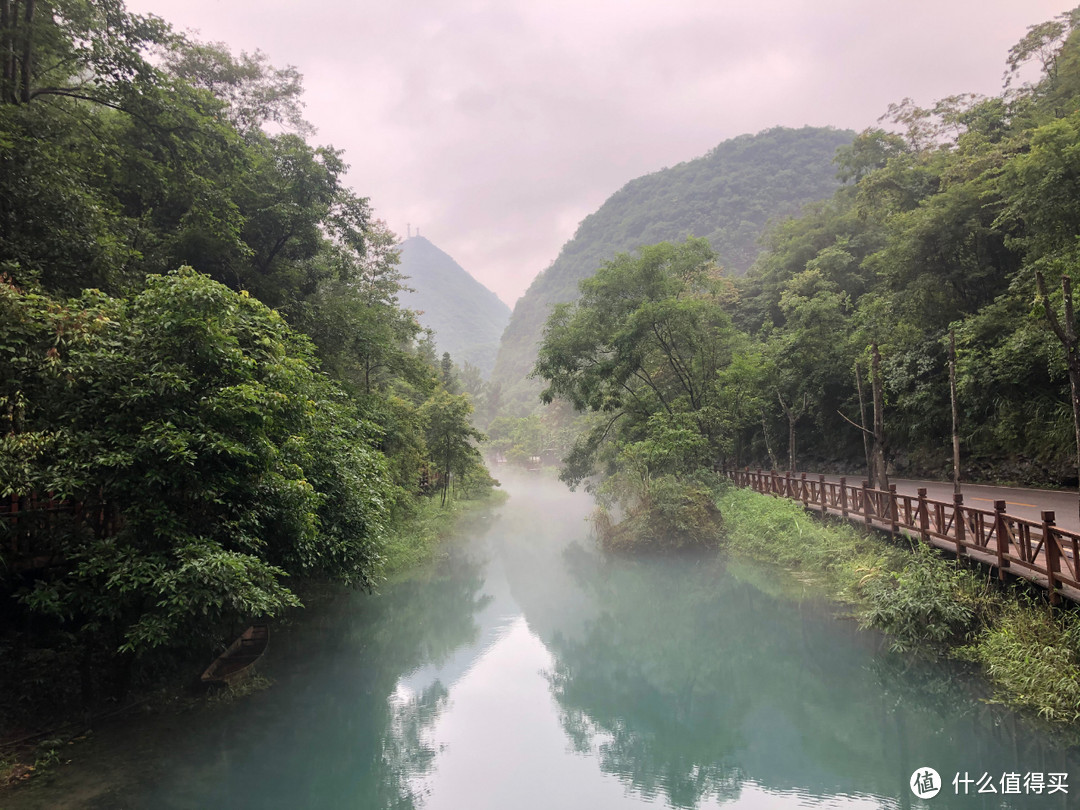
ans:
(955, 412)
(793, 418)
(1067, 336)
(865, 435)
(768, 445)
(880, 450)
(446, 474)
(7, 52)
(791, 443)
(28, 51)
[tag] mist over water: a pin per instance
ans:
(528, 670)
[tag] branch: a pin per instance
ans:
(616, 417)
(648, 381)
(860, 427)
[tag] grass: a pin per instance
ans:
(1033, 655)
(416, 538)
(835, 556)
(922, 601)
(30, 761)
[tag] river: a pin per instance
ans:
(524, 669)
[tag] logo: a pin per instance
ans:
(925, 783)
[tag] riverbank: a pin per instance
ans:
(28, 752)
(418, 539)
(925, 603)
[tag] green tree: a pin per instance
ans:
(195, 418)
(649, 334)
(450, 437)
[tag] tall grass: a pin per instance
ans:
(1033, 656)
(835, 554)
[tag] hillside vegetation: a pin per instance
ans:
(727, 197)
(959, 219)
(467, 318)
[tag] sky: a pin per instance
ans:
(495, 126)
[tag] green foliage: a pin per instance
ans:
(922, 606)
(727, 197)
(450, 439)
(780, 531)
(416, 538)
(198, 415)
(216, 432)
(643, 346)
(1033, 658)
(924, 603)
(669, 514)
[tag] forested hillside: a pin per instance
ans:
(467, 318)
(208, 389)
(727, 197)
(959, 219)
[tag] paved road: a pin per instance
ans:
(1019, 502)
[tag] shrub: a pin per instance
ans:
(922, 606)
(669, 514)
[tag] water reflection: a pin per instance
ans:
(691, 682)
(528, 670)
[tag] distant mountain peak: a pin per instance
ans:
(467, 318)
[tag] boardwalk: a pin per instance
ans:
(1015, 537)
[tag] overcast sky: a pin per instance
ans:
(496, 126)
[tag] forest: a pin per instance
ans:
(832, 352)
(728, 196)
(209, 393)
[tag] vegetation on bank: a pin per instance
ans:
(418, 539)
(923, 602)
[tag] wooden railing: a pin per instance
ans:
(1038, 551)
(31, 525)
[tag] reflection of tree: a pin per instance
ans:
(640, 688)
(406, 753)
(336, 731)
(685, 682)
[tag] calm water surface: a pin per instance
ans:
(526, 670)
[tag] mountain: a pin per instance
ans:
(728, 196)
(466, 317)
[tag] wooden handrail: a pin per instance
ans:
(1039, 551)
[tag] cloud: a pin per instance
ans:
(496, 126)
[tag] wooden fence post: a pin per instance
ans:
(802, 489)
(1053, 555)
(866, 502)
(843, 496)
(924, 517)
(787, 484)
(1002, 532)
(821, 495)
(893, 516)
(959, 524)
